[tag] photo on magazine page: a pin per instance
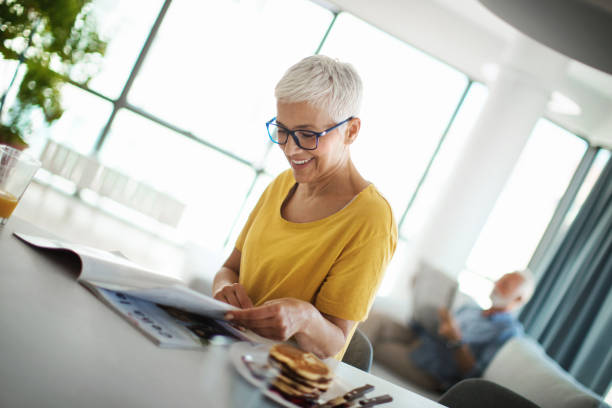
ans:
(169, 327)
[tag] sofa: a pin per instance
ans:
(522, 366)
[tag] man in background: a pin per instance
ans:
(464, 344)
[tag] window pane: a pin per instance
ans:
(214, 65)
(258, 189)
(528, 201)
(212, 186)
(409, 98)
(276, 161)
(455, 138)
(395, 282)
(79, 127)
(446, 157)
(84, 115)
(601, 159)
(7, 70)
(476, 286)
(124, 25)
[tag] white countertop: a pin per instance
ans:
(62, 347)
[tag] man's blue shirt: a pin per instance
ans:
(483, 334)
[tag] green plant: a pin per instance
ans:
(53, 40)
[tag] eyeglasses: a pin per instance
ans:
(305, 139)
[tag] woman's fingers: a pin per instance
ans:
(255, 313)
(256, 323)
(242, 297)
(235, 295)
(219, 296)
(231, 298)
(278, 320)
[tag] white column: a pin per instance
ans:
(517, 99)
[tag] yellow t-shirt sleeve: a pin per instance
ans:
(350, 286)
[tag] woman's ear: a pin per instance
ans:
(352, 130)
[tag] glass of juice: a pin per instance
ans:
(16, 171)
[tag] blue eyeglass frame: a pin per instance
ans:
(296, 139)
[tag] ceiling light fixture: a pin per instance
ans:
(562, 104)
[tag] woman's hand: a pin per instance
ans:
(277, 319)
(235, 295)
(282, 319)
(225, 285)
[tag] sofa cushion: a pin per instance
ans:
(522, 366)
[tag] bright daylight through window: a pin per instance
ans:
(408, 101)
(393, 284)
(524, 208)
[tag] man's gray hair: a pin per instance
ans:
(528, 286)
(324, 83)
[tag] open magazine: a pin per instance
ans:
(432, 289)
(163, 308)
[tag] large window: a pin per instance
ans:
(395, 283)
(212, 186)
(443, 162)
(214, 64)
(126, 24)
(84, 118)
(524, 208)
(600, 161)
(409, 98)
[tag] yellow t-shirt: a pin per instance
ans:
(335, 263)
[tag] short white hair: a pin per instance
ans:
(527, 286)
(325, 83)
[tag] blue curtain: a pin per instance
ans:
(570, 313)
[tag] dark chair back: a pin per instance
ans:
(479, 393)
(359, 352)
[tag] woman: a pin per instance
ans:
(313, 251)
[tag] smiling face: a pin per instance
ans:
(332, 153)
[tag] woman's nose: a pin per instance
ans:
(291, 146)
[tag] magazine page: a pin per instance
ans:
(182, 297)
(149, 320)
(169, 327)
(103, 268)
(432, 289)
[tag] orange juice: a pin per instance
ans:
(8, 202)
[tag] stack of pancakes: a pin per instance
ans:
(302, 375)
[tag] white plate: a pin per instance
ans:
(259, 354)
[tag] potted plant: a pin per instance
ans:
(52, 41)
